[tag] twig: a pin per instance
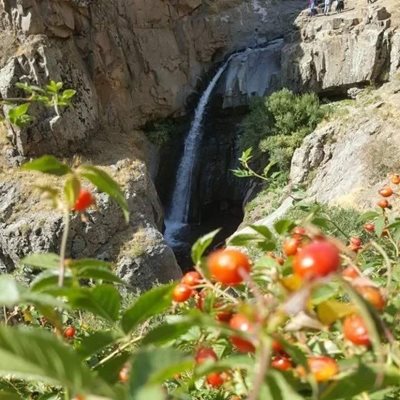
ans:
(265, 354)
(63, 249)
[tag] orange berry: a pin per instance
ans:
(205, 354)
(191, 279)
(290, 246)
(373, 295)
(323, 368)
(369, 227)
(350, 273)
(69, 332)
(215, 379)
(395, 179)
(241, 323)
(355, 330)
(386, 191)
(383, 203)
(228, 266)
(182, 293)
(123, 375)
(317, 259)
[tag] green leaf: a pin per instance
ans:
(368, 216)
(18, 115)
(281, 387)
(103, 300)
(5, 395)
(98, 273)
(68, 94)
(151, 368)
(96, 342)
(201, 245)
(106, 184)
(167, 332)
(9, 291)
(151, 303)
(243, 239)
(109, 370)
(42, 260)
(35, 354)
(283, 226)
(72, 188)
(263, 230)
(108, 301)
(47, 165)
(49, 278)
(380, 224)
(364, 379)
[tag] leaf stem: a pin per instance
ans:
(63, 249)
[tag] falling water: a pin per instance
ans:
(178, 210)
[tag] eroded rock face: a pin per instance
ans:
(130, 61)
(335, 53)
(347, 160)
(137, 249)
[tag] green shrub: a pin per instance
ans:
(160, 132)
(278, 124)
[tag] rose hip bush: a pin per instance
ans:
(312, 316)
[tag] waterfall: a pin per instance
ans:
(178, 210)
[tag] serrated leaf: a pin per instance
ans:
(283, 226)
(243, 239)
(151, 303)
(167, 332)
(97, 273)
(88, 262)
(108, 301)
(201, 245)
(263, 231)
(96, 342)
(68, 94)
(22, 355)
(42, 260)
(49, 278)
(151, 368)
(368, 216)
(380, 224)
(47, 165)
(106, 184)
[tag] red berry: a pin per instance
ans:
(298, 230)
(317, 259)
(224, 315)
(290, 246)
(282, 363)
(123, 375)
(373, 295)
(243, 324)
(369, 227)
(322, 367)
(69, 332)
(386, 191)
(350, 273)
(395, 179)
(355, 330)
(191, 279)
(182, 293)
(215, 379)
(228, 266)
(356, 241)
(84, 200)
(277, 347)
(205, 354)
(383, 203)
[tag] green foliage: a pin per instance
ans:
(277, 125)
(160, 132)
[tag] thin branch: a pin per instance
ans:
(63, 249)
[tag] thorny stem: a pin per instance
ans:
(265, 353)
(63, 249)
(5, 315)
(209, 284)
(387, 262)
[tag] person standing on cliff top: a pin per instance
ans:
(327, 8)
(313, 10)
